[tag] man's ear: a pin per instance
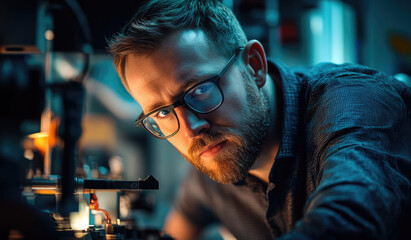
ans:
(256, 62)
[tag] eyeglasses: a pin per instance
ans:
(204, 97)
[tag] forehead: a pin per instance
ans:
(156, 78)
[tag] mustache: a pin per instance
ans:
(206, 139)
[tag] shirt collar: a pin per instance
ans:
(288, 84)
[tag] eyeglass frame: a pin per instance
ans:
(181, 101)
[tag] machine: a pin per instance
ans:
(45, 198)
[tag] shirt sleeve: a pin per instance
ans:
(360, 137)
(192, 200)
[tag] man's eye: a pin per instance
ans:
(162, 113)
(203, 89)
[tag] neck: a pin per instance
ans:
(265, 159)
(264, 162)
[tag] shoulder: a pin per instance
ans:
(326, 76)
(326, 80)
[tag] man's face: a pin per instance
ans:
(224, 143)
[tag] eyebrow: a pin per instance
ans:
(187, 84)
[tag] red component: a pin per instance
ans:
(288, 32)
(94, 206)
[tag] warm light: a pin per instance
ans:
(41, 141)
(80, 220)
(44, 190)
(45, 139)
(49, 35)
(38, 135)
(28, 153)
(98, 217)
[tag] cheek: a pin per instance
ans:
(180, 143)
(235, 102)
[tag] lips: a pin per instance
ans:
(212, 149)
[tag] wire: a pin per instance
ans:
(85, 28)
(94, 206)
(81, 18)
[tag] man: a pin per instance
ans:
(316, 153)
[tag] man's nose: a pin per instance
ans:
(190, 123)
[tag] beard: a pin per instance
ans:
(240, 148)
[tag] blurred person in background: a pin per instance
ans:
(322, 152)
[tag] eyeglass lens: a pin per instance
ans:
(203, 98)
(162, 123)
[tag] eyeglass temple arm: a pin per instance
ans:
(220, 74)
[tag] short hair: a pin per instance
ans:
(156, 19)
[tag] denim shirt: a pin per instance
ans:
(343, 168)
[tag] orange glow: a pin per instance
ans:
(40, 141)
(46, 139)
(38, 135)
(45, 191)
(53, 138)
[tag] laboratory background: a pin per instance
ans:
(70, 153)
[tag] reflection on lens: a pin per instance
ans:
(204, 98)
(161, 126)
